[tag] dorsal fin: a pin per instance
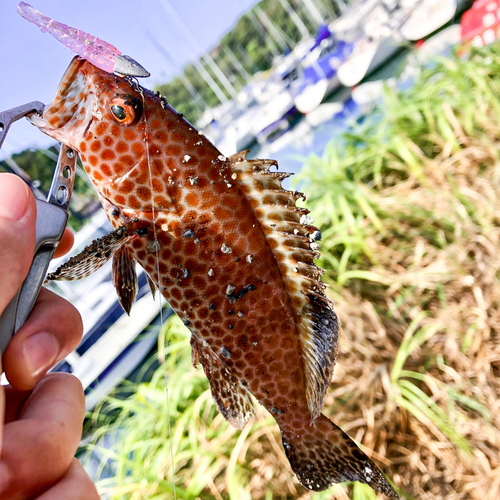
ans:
(289, 232)
(232, 398)
(91, 258)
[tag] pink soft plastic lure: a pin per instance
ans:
(98, 52)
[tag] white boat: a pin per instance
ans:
(275, 96)
(369, 92)
(381, 40)
(369, 55)
(262, 109)
(238, 134)
(323, 113)
(319, 77)
(431, 15)
(274, 116)
(113, 343)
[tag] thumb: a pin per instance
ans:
(17, 235)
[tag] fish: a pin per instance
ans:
(227, 247)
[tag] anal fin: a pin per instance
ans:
(232, 398)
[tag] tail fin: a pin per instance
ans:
(323, 454)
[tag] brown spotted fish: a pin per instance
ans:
(229, 250)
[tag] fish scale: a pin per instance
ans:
(228, 249)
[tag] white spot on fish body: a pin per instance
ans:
(368, 474)
(226, 352)
(210, 272)
(221, 158)
(225, 249)
(230, 289)
(306, 219)
(234, 176)
(186, 158)
(164, 227)
(249, 259)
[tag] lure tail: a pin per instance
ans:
(323, 454)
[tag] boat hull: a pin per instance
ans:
(364, 62)
(430, 16)
(313, 95)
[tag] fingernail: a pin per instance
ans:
(14, 196)
(40, 352)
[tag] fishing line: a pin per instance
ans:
(156, 248)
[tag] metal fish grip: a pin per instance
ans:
(51, 220)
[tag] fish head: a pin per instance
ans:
(103, 117)
(86, 97)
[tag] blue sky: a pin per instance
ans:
(32, 62)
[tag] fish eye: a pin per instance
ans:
(125, 109)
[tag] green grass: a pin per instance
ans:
(409, 206)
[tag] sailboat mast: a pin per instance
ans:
(296, 19)
(192, 90)
(206, 57)
(315, 14)
(242, 71)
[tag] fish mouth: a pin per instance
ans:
(71, 107)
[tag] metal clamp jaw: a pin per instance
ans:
(51, 220)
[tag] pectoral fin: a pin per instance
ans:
(92, 257)
(152, 286)
(125, 278)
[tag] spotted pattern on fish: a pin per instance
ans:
(231, 254)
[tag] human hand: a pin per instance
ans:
(40, 415)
